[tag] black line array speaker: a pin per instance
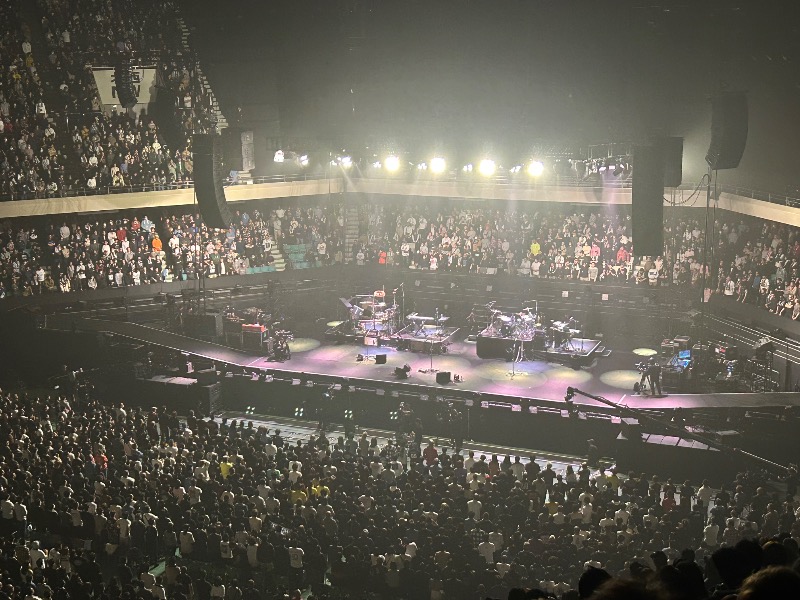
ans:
(123, 82)
(647, 212)
(443, 377)
(729, 124)
(209, 173)
(380, 359)
(232, 148)
(673, 161)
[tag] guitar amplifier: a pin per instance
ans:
(253, 340)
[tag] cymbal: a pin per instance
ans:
(334, 323)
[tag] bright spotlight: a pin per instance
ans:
(487, 167)
(468, 168)
(515, 169)
(304, 160)
(279, 157)
(438, 165)
(422, 167)
(536, 168)
(392, 163)
(376, 164)
(346, 162)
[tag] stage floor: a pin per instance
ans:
(611, 377)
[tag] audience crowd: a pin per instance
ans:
(755, 261)
(79, 147)
(108, 501)
(93, 252)
(30, 162)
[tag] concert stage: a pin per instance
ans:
(579, 351)
(612, 377)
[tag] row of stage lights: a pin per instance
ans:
(437, 165)
(486, 167)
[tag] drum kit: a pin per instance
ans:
(524, 325)
(372, 312)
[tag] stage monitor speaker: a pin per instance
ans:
(673, 161)
(648, 200)
(729, 124)
(380, 359)
(443, 377)
(400, 373)
(209, 173)
(123, 83)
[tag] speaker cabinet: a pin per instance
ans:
(209, 173)
(443, 377)
(380, 359)
(203, 326)
(123, 82)
(673, 161)
(647, 211)
(729, 124)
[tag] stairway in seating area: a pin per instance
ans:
(221, 121)
(352, 229)
(279, 263)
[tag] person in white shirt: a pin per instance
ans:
(255, 523)
(486, 550)
(296, 557)
(704, 494)
(186, 540)
(474, 506)
(711, 534)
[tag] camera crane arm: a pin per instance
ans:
(680, 431)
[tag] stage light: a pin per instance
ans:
(376, 164)
(422, 167)
(486, 167)
(392, 163)
(279, 156)
(515, 169)
(467, 168)
(299, 411)
(346, 162)
(438, 165)
(304, 160)
(535, 169)
(348, 414)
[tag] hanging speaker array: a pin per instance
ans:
(729, 124)
(123, 81)
(209, 174)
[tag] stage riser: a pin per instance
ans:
(547, 431)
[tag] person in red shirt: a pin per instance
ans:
(430, 454)
(157, 245)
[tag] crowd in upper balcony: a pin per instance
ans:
(100, 252)
(755, 260)
(57, 139)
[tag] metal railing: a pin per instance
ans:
(499, 180)
(155, 187)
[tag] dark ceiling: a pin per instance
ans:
(504, 74)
